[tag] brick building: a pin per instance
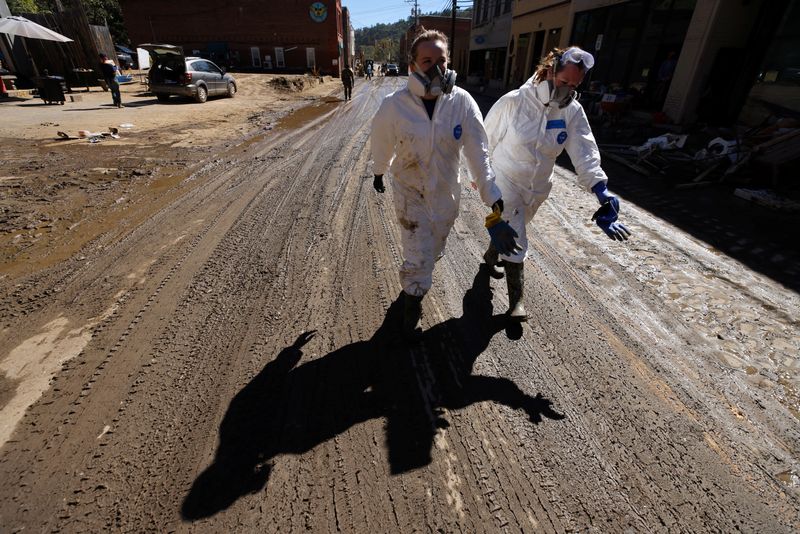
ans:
(287, 36)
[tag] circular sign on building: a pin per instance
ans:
(318, 12)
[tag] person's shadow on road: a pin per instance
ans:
(288, 410)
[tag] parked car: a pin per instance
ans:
(126, 58)
(392, 70)
(172, 73)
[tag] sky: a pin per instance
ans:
(369, 12)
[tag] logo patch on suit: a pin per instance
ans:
(561, 138)
(457, 131)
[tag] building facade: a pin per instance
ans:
(490, 42)
(714, 61)
(695, 60)
(349, 36)
(537, 26)
(287, 36)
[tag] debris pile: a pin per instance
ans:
(711, 157)
(294, 84)
(93, 137)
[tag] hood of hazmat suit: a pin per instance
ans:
(422, 155)
(526, 135)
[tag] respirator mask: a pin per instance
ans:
(433, 81)
(561, 96)
(554, 95)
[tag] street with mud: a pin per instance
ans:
(206, 339)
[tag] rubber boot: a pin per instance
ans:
(412, 313)
(490, 257)
(516, 291)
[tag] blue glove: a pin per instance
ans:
(601, 191)
(500, 232)
(606, 216)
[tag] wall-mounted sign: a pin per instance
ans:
(318, 12)
(480, 39)
(599, 42)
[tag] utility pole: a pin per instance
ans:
(453, 32)
(415, 11)
(410, 35)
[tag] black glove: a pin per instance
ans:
(377, 183)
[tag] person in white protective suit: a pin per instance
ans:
(417, 136)
(528, 128)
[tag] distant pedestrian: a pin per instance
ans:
(665, 73)
(109, 71)
(348, 79)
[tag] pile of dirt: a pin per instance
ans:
(294, 84)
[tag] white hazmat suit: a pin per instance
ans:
(422, 155)
(525, 138)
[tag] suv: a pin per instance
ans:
(172, 73)
(392, 70)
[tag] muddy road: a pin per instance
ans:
(231, 364)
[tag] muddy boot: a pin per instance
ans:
(516, 291)
(412, 313)
(490, 257)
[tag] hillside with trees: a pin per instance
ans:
(381, 42)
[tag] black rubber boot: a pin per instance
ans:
(516, 291)
(412, 313)
(490, 257)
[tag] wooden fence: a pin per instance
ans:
(64, 59)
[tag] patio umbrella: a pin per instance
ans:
(28, 29)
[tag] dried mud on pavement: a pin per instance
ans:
(229, 362)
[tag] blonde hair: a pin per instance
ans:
(426, 36)
(551, 59)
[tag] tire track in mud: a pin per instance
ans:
(284, 274)
(642, 453)
(738, 423)
(223, 182)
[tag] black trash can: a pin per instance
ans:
(52, 89)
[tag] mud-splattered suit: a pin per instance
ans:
(422, 155)
(526, 137)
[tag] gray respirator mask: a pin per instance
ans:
(556, 96)
(548, 93)
(433, 81)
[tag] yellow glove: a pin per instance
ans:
(496, 216)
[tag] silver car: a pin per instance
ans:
(172, 73)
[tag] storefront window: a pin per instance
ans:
(636, 45)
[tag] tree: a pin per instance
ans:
(387, 49)
(97, 11)
(19, 7)
(108, 12)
